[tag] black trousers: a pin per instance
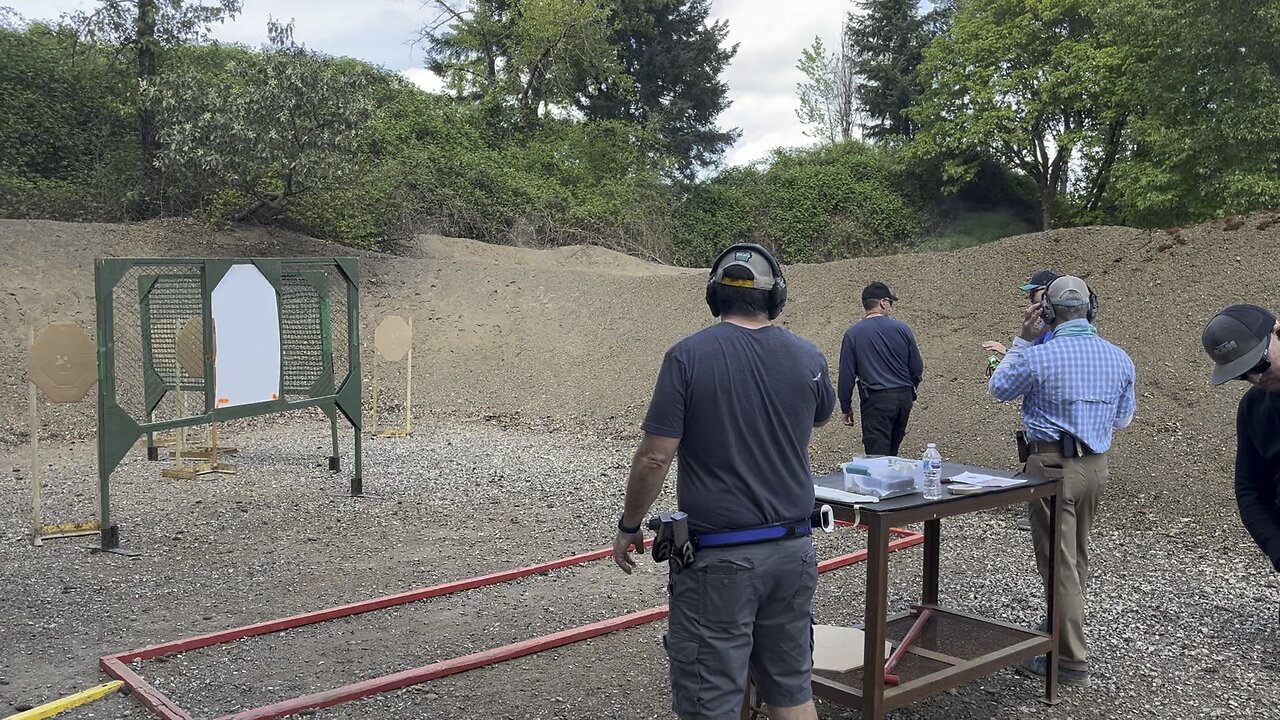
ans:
(884, 416)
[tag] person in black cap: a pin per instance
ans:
(1244, 342)
(879, 354)
(1034, 288)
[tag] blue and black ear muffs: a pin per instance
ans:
(1048, 314)
(777, 295)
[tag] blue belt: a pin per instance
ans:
(729, 538)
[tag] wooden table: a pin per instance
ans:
(955, 647)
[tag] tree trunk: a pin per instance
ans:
(1048, 204)
(146, 204)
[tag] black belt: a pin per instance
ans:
(1067, 446)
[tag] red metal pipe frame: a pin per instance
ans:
(163, 707)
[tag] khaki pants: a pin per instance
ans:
(1084, 479)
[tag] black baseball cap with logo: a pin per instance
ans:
(1040, 280)
(1237, 339)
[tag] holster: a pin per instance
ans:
(1071, 446)
(672, 541)
(1024, 449)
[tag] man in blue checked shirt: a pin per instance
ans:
(1034, 288)
(1077, 390)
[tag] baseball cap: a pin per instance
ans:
(878, 291)
(1237, 339)
(754, 261)
(1040, 279)
(1067, 291)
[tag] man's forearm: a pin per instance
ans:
(643, 486)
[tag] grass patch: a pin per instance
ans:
(968, 229)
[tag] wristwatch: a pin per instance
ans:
(624, 528)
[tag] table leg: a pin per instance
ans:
(1051, 592)
(932, 554)
(874, 622)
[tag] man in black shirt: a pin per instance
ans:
(1244, 342)
(879, 354)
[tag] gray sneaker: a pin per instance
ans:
(1024, 523)
(1039, 667)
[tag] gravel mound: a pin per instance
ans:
(533, 369)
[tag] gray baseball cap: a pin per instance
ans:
(1236, 339)
(1067, 291)
(754, 260)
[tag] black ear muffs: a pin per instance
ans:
(777, 295)
(1048, 314)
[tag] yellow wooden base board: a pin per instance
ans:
(205, 453)
(392, 433)
(61, 705)
(191, 472)
(65, 530)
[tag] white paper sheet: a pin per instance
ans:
(969, 478)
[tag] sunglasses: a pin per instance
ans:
(1263, 365)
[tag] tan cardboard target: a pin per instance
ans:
(63, 362)
(393, 338)
(190, 347)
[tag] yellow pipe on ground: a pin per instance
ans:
(83, 697)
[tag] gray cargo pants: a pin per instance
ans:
(740, 609)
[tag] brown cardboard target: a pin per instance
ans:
(393, 338)
(63, 362)
(189, 347)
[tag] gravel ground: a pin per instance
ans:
(1183, 617)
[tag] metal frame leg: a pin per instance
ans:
(874, 621)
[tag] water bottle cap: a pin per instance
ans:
(933, 445)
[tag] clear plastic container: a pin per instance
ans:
(878, 482)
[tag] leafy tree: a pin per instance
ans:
(269, 127)
(670, 62)
(1203, 80)
(827, 95)
(145, 26)
(1018, 80)
(529, 55)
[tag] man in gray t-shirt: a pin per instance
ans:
(738, 402)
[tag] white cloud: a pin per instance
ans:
(424, 79)
(761, 78)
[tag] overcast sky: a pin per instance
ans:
(762, 77)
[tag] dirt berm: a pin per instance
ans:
(574, 336)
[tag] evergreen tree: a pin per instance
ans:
(887, 42)
(673, 61)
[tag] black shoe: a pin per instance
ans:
(1039, 667)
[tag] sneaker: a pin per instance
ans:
(1039, 667)
(1024, 523)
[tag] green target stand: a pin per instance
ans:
(271, 335)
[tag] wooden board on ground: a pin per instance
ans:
(839, 649)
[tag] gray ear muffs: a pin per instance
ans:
(1048, 314)
(777, 295)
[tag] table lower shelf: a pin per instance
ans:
(954, 649)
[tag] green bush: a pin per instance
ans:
(809, 205)
(67, 129)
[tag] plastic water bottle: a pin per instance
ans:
(931, 466)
